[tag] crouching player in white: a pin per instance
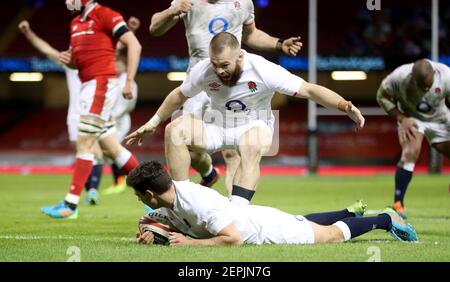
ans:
(212, 219)
(414, 94)
(241, 86)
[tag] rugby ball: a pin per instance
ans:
(159, 230)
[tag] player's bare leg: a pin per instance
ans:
(443, 148)
(252, 146)
(201, 161)
(181, 136)
(232, 160)
(411, 148)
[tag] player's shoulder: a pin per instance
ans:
(75, 20)
(443, 68)
(202, 68)
(105, 11)
(402, 71)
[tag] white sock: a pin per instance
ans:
(208, 172)
(344, 229)
(122, 158)
(409, 166)
(239, 201)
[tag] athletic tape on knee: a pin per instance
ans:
(89, 128)
(108, 128)
(344, 229)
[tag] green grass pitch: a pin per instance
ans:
(106, 232)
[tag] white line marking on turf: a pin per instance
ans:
(79, 238)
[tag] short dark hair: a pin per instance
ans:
(149, 175)
(222, 40)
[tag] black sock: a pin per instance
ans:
(70, 205)
(242, 192)
(94, 178)
(116, 173)
(402, 179)
(210, 177)
(362, 225)
(328, 218)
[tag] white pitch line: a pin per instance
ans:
(80, 238)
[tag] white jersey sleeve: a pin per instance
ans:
(216, 221)
(192, 85)
(250, 8)
(278, 78)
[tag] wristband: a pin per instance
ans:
(342, 106)
(279, 45)
(155, 121)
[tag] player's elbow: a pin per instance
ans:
(234, 240)
(154, 31)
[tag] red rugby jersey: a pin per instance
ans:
(93, 38)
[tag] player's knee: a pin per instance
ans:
(410, 155)
(251, 154)
(231, 156)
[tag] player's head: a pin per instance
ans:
(226, 57)
(77, 5)
(422, 75)
(149, 181)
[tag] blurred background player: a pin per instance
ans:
(202, 20)
(94, 35)
(122, 109)
(246, 84)
(73, 113)
(213, 220)
(414, 95)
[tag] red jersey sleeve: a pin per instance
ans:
(113, 23)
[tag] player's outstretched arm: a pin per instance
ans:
(331, 100)
(260, 40)
(163, 21)
(172, 103)
(229, 236)
(41, 45)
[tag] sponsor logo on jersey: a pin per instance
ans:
(252, 86)
(214, 86)
(235, 106)
(424, 107)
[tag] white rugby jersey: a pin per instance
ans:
(124, 106)
(202, 213)
(74, 86)
(250, 99)
(429, 107)
(206, 20)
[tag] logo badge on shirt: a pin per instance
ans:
(252, 86)
(237, 5)
(437, 90)
(214, 86)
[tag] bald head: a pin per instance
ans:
(223, 40)
(423, 74)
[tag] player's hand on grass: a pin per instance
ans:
(355, 114)
(292, 46)
(183, 6)
(24, 26)
(127, 90)
(406, 131)
(133, 24)
(145, 238)
(139, 134)
(178, 239)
